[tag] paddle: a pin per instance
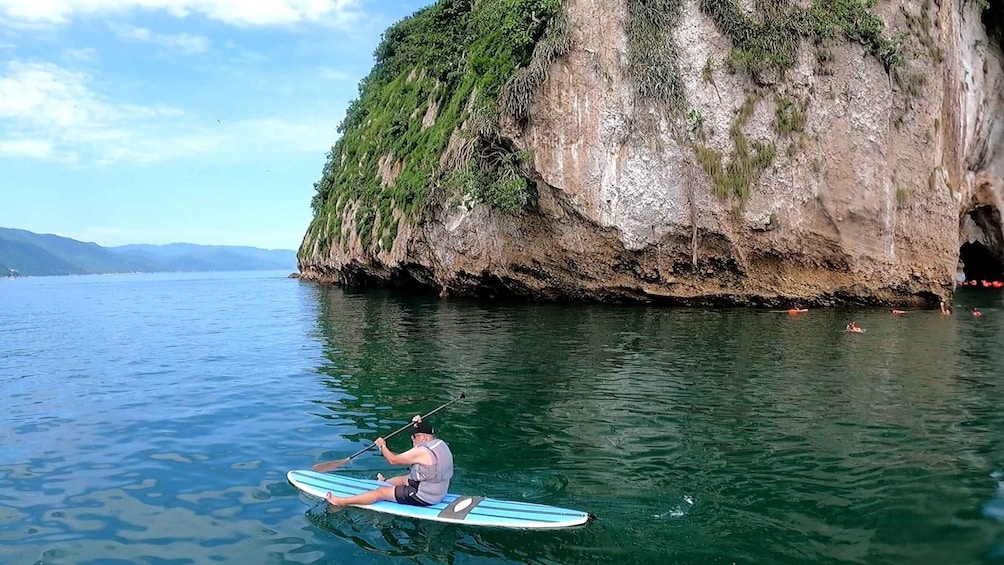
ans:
(330, 465)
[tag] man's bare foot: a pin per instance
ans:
(332, 500)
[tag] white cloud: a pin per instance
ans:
(49, 112)
(185, 42)
(306, 134)
(132, 33)
(86, 54)
(233, 12)
(329, 73)
(47, 97)
(30, 148)
(182, 42)
(43, 94)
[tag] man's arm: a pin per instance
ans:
(414, 455)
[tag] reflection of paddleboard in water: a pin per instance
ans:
(473, 510)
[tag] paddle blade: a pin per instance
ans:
(330, 465)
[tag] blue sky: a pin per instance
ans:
(159, 121)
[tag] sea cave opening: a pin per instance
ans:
(993, 20)
(979, 263)
(981, 255)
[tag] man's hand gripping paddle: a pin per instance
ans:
(332, 465)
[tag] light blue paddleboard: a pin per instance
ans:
(473, 510)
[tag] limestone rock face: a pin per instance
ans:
(870, 201)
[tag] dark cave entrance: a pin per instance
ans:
(993, 20)
(982, 255)
(979, 263)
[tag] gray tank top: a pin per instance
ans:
(434, 480)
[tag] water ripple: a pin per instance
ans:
(152, 419)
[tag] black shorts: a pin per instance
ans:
(408, 494)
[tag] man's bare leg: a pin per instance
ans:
(368, 497)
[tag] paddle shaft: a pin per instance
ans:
(340, 462)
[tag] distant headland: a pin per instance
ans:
(24, 253)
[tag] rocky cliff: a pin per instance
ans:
(754, 152)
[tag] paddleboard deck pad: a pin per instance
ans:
(473, 510)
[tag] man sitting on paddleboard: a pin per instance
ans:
(427, 480)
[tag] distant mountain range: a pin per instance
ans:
(24, 253)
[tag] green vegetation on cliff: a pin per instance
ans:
(768, 40)
(652, 54)
(428, 115)
(764, 40)
(765, 43)
(764, 46)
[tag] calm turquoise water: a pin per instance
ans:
(152, 419)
